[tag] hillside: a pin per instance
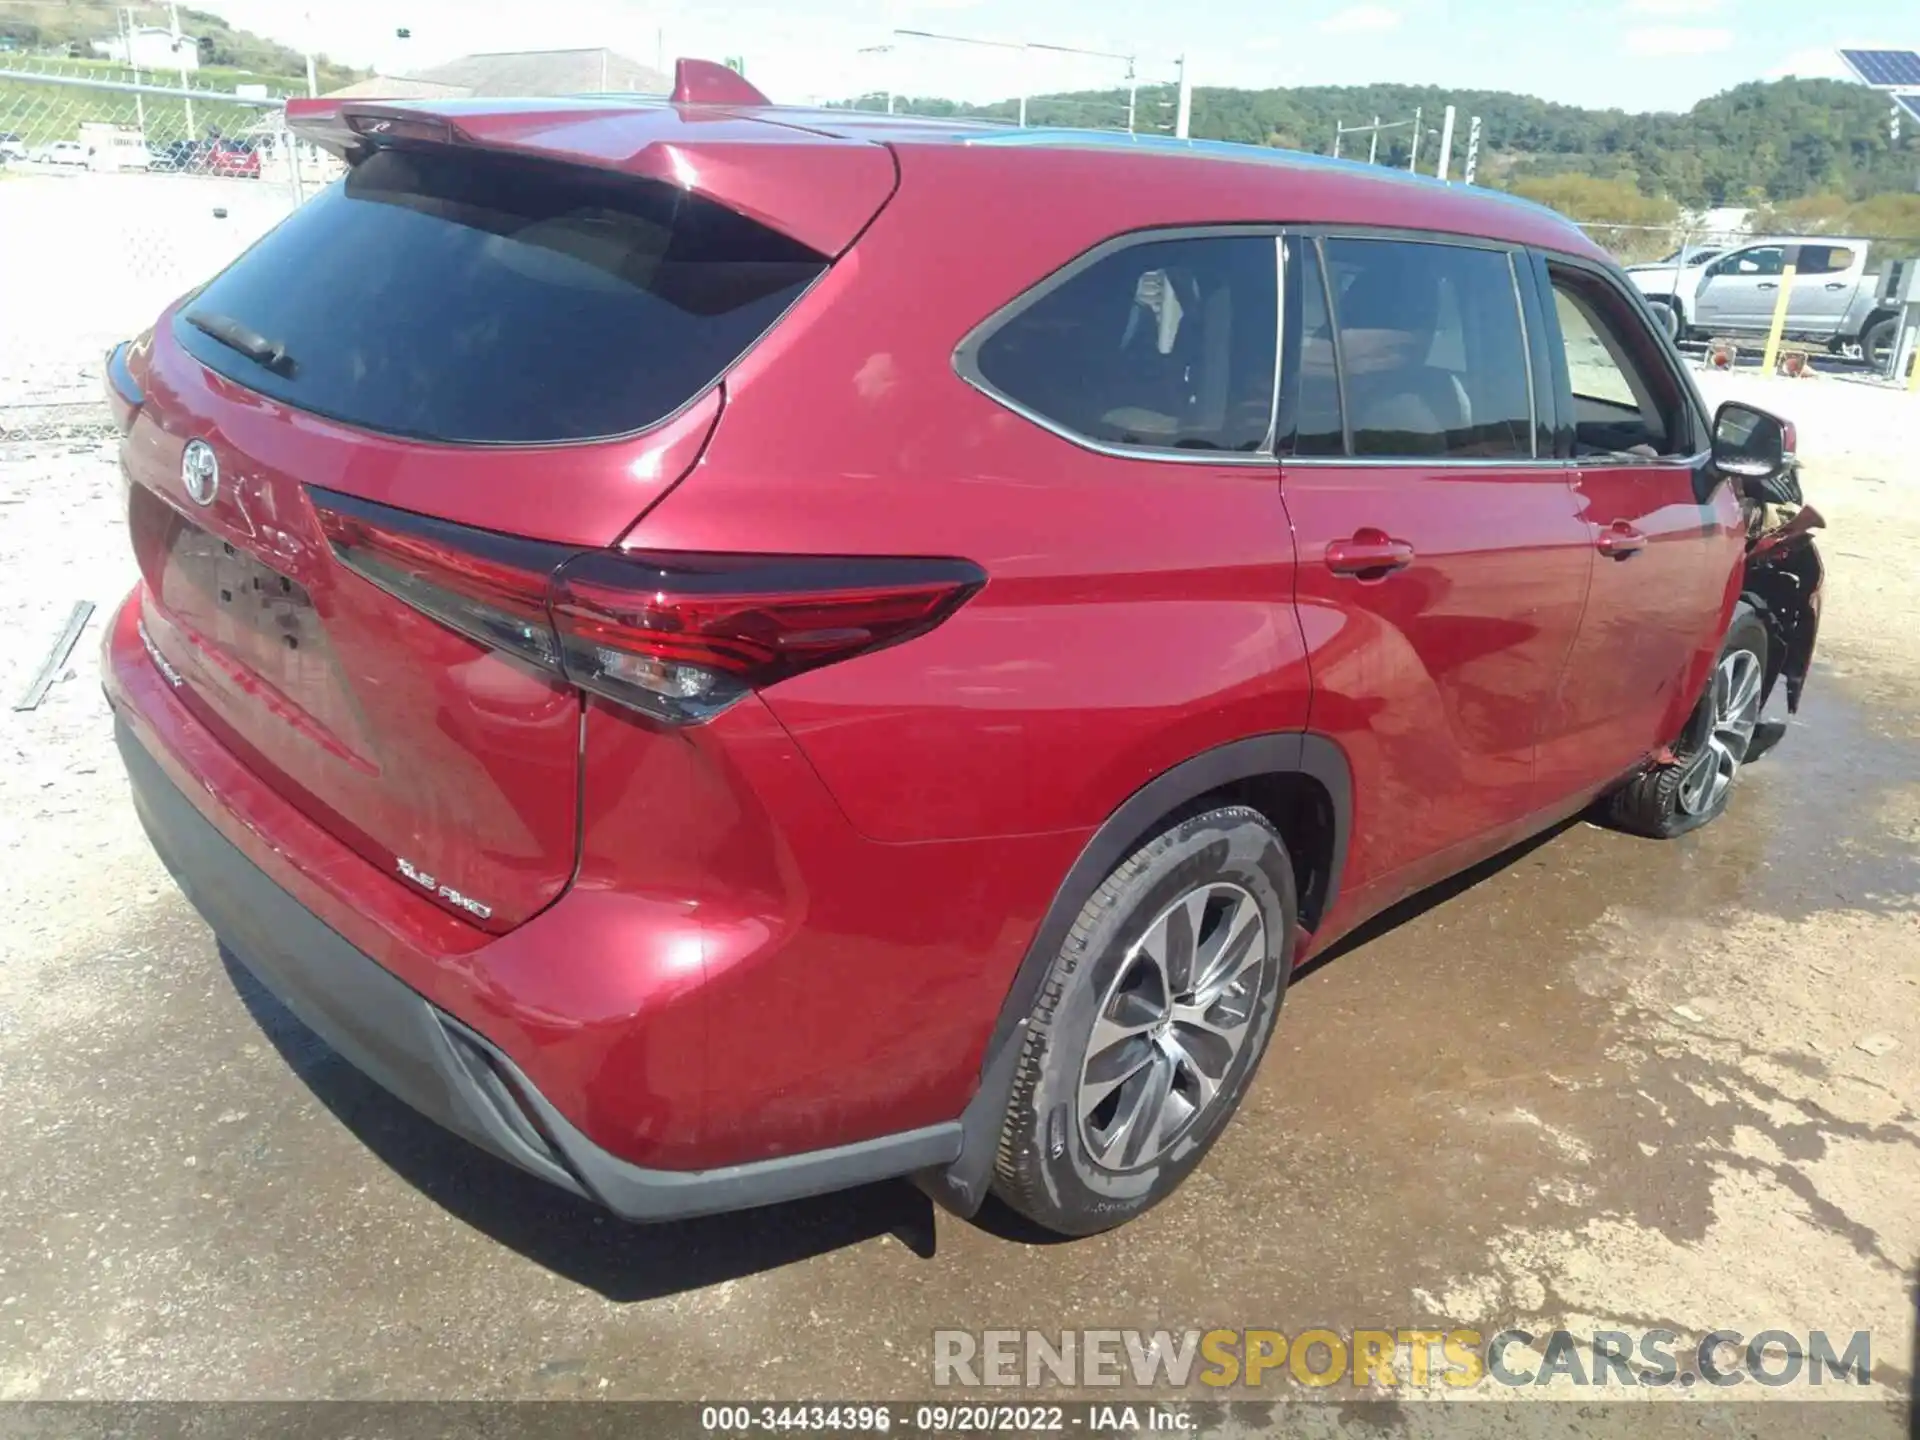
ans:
(42, 25)
(1759, 143)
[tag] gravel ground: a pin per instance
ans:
(1608, 1083)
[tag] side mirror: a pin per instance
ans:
(1751, 443)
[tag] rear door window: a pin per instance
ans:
(488, 298)
(1157, 345)
(1432, 349)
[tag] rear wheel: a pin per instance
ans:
(1149, 1024)
(1673, 799)
(1878, 342)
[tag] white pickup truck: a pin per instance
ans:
(1733, 292)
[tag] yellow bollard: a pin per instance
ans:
(1772, 357)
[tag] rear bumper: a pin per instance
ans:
(442, 1068)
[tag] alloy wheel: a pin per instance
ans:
(1736, 711)
(1171, 1024)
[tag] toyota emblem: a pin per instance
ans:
(200, 472)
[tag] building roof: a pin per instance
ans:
(548, 72)
(396, 87)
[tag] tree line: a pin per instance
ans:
(1759, 144)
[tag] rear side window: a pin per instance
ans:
(1824, 259)
(1432, 349)
(486, 298)
(1158, 345)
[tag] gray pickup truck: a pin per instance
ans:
(1734, 292)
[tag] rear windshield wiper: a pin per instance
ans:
(248, 341)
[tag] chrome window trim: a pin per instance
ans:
(1516, 462)
(1279, 338)
(966, 364)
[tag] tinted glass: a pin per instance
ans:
(1310, 383)
(485, 298)
(1167, 344)
(1824, 259)
(1432, 348)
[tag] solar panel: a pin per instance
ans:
(1884, 67)
(1909, 103)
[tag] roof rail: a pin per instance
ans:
(701, 82)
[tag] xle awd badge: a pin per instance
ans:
(445, 892)
(200, 472)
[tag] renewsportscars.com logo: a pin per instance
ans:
(1456, 1359)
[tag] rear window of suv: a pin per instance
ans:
(459, 296)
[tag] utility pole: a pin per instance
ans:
(1473, 151)
(1339, 134)
(1413, 160)
(139, 100)
(1373, 146)
(1133, 92)
(1183, 116)
(173, 12)
(1445, 163)
(313, 83)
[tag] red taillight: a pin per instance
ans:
(679, 636)
(491, 588)
(124, 395)
(684, 636)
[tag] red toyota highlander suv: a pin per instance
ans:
(725, 652)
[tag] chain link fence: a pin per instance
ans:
(116, 198)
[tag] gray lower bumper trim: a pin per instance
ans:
(441, 1068)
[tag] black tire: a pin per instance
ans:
(1663, 802)
(1878, 342)
(1044, 1167)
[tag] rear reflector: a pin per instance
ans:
(679, 636)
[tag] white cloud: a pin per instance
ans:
(1361, 20)
(1676, 9)
(1678, 40)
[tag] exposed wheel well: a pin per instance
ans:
(1296, 805)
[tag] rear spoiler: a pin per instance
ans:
(706, 138)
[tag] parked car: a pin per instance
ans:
(62, 152)
(232, 158)
(12, 147)
(1735, 293)
(732, 664)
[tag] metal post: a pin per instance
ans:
(1183, 117)
(1445, 163)
(1772, 356)
(1473, 151)
(1413, 160)
(313, 83)
(1133, 93)
(293, 160)
(1373, 145)
(139, 100)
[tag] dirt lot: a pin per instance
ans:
(1609, 1083)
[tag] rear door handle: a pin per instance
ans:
(1620, 541)
(1371, 554)
(1768, 285)
(1836, 285)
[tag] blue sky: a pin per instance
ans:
(1638, 54)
